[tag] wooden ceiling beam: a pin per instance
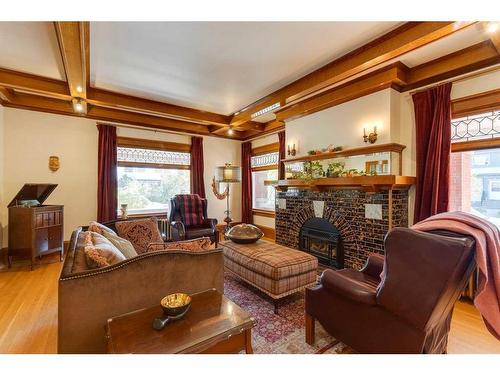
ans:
(391, 76)
(108, 99)
(73, 38)
(6, 95)
(494, 36)
(404, 39)
(64, 107)
(34, 84)
(469, 59)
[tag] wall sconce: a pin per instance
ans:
(372, 137)
(291, 151)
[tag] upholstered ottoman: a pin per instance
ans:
(276, 270)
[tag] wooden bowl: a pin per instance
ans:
(175, 304)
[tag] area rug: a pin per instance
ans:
(283, 333)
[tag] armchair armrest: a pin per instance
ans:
(178, 226)
(340, 283)
(374, 266)
(212, 223)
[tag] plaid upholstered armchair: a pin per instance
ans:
(188, 218)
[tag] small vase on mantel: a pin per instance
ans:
(124, 210)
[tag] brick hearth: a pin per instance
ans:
(346, 210)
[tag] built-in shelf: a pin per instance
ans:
(367, 183)
(387, 147)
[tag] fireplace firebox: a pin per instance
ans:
(321, 238)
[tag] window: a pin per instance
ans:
(150, 173)
(475, 165)
(264, 165)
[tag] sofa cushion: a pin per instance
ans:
(140, 233)
(122, 244)
(96, 227)
(191, 209)
(100, 252)
(269, 259)
(80, 259)
(198, 244)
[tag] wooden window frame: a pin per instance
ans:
(261, 150)
(149, 144)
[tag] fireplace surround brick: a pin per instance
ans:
(345, 209)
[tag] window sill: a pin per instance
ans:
(262, 212)
(145, 215)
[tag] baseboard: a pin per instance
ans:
(269, 233)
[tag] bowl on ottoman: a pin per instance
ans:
(244, 233)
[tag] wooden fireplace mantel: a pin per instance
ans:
(366, 183)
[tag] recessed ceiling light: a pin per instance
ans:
(230, 131)
(79, 89)
(492, 27)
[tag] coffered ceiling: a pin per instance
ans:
(226, 79)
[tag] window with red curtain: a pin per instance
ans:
(106, 174)
(246, 183)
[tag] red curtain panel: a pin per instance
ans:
(197, 170)
(433, 146)
(282, 155)
(246, 183)
(107, 184)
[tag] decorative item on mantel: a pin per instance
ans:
(227, 174)
(174, 307)
(54, 163)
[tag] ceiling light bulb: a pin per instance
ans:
(79, 89)
(78, 106)
(230, 131)
(492, 27)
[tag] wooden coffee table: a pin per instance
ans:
(213, 325)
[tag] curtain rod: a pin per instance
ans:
(463, 77)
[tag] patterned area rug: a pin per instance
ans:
(283, 333)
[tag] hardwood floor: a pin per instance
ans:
(28, 315)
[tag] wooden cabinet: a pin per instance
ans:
(35, 231)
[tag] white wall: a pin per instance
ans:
(2, 204)
(343, 125)
(31, 137)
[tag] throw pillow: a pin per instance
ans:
(100, 252)
(198, 244)
(96, 227)
(122, 244)
(140, 233)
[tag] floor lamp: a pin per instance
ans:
(227, 174)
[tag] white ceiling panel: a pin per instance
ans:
(31, 47)
(217, 66)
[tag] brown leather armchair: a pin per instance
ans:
(410, 310)
(181, 231)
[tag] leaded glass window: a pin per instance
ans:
(475, 127)
(265, 160)
(139, 155)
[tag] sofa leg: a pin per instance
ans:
(310, 326)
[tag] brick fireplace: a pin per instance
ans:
(360, 218)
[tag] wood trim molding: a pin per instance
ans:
(475, 104)
(264, 213)
(266, 149)
(35, 84)
(265, 168)
(480, 144)
(153, 144)
(269, 232)
(403, 39)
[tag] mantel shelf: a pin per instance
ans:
(386, 147)
(367, 183)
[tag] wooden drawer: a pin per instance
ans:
(46, 219)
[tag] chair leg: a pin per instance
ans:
(310, 332)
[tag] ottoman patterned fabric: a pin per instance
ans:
(276, 270)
